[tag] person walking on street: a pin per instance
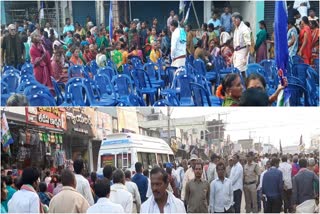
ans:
(303, 192)
(251, 174)
(119, 193)
(236, 176)
(212, 172)
(82, 184)
(133, 189)
(286, 169)
(272, 187)
(141, 181)
(68, 200)
(221, 192)
(104, 204)
(161, 200)
(197, 192)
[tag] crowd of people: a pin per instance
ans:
(228, 35)
(194, 186)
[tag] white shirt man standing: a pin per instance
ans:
(236, 176)
(83, 186)
(286, 170)
(104, 204)
(241, 44)
(302, 6)
(212, 172)
(221, 192)
(133, 189)
(119, 193)
(178, 45)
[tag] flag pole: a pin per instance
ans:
(195, 12)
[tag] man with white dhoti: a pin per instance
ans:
(178, 45)
(241, 44)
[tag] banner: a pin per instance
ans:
(81, 121)
(51, 117)
(6, 138)
(103, 125)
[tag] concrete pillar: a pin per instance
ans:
(90, 155)
(102, 13)
(206, 11)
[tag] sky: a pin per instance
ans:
(268, 124)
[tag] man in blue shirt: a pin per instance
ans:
(141, 181)
(68, 27)
(216, 23)
(226, 19)
(272, 187)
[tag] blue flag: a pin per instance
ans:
(281, 48)
(110, 22)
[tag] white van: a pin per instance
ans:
(123, 150)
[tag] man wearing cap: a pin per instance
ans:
(189, 175)
(251, 174)
(212, 172)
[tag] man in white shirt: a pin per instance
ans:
(286, 170)
(241, 44)
(161, 200)
(236, 176)
(133, 189)
(26, 200)
(212, 172)
(302, 6)
(48, 28)
(259, 189)
(103, 205)
(83, 186)
(119, 193)
(170, 19)
(221, 192)
(178, 45)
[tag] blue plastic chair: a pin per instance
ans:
(93, 66)
(160, 103)
(132, 100)
(312, 92)
(4, 93)
(75, 71)
(107, 71)
(37, 89)
(144, 86)
(12, 79)
(92, 100)
(59, 94)
(112, 65)
(8, 67)
(297, 92)
(27, 68)
(297, 60)
(41, 100)
(300, 71)
(184, 89)
(126, 69)
(172, 99)
(200, 95)
(200, 68)
(123, 85)
(104, 85)
(316, 65)
(255, 68)
(154, 76)
(75, 94)
(27, 77)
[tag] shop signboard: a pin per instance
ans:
(50, 117)
(103, 125)
(81, 121)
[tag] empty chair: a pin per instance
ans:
(36, 89)
(184, 89)
(12, 80)
(161, 103)
(75, 94)
(154, 75)
(107, 71)
(75, 71)
(104, 85)
(297, 59)
(200, 68)
(59, 94)
(144, 86)
(123, 85)
(93, 66)
(41, 100)
(27, 69)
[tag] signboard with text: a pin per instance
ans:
(50, 117)
(81, 121)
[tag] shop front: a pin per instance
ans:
(37, 134)
(78, 138)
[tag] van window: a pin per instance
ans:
(126, 162)
(164, 158)
(107, 159)
(147, 159)
(159, 159)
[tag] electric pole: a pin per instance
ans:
(169, 115)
